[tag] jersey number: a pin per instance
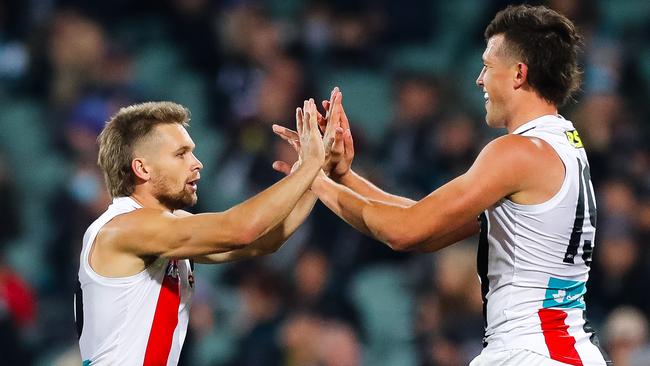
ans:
(584, 178)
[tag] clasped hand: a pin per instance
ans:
(336, 139)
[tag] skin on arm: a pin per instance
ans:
(270, 242)
(133, 239)
(274, 239)
(341, 151)
(450, 212)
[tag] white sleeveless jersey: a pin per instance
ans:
(533, 260)
(135, 320)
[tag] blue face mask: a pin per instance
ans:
(85, 187)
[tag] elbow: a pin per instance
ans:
(248, 231)
(402, 245)
(244, 238)
(401, 241)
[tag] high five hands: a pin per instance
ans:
(336, 136)
(306, 140)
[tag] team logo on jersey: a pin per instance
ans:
(172, 269)
(564, 294)
(574, 139)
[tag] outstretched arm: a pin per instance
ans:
(270, 242)
(339, 149)
(149, 232)
(447, 214)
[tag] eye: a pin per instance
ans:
(181, 154)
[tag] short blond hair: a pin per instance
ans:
(121, 134)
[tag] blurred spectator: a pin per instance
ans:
(250, 63)
(76, 49)
(262, 297)
(311, 340)
(610, 134)
(626, 334)
(317, 291)
(620, 272)
(449, 319)
(411, 135)
(17, 316)
(10, 225)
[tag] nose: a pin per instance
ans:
(479, 80)
(197, 163)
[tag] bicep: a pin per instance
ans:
(148, 232)
(460, 201)
(466, 230)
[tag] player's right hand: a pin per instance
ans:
(339, 145)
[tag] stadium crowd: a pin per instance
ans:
(330, 296)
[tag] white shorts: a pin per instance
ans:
(514, 357)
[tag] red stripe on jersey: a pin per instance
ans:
(165, 319)
(561, 345)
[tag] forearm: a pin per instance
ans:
(467, 230)
(379, 220)
(270, 207)
(365, 188)
(273, 240)
(276, 237)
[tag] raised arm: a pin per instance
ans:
(450, 212)
(339, 148)
(149, 232)
(270, 242)
(274, 239)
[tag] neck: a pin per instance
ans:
(529, 110)
(148, 201)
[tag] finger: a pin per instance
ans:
(306, 122)
(337, 105)
(338, 144)
(322, 123)
(348, 143)
(299, 118)
(330, 102)
(284, 132)
(345, 124)
(282, 167)
(312, 108)
(314, 119)
(288, 139)
(335, 91)
(334, 117)
(295, 144)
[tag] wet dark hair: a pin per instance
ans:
(547, 42)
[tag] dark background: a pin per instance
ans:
(330, 296)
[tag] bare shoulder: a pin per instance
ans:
(529, 165)
(516, 148)
(519, 163)
(134, 227)
(519, 155)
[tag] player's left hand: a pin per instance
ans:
(337, 139)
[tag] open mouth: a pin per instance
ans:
(486, 97)
(193, 184)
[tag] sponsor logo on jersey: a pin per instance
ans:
(574, 139)
(564, 294)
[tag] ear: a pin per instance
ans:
(521, 75)
(140, 169)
